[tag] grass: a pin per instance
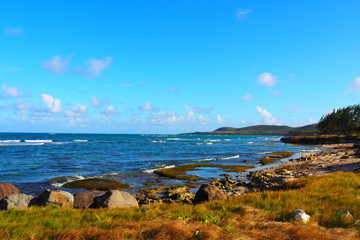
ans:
(97, 184)
(263, 215)
(179, 172)
(275, 156)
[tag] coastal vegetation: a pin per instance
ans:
(97, 184)
(180, 172)
(341, 121)
(274, 157)
(262, 215)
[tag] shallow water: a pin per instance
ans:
(34, 161)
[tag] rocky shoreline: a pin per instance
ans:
(334, 157)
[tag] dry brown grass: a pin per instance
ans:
(253, 216)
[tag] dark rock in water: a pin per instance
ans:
(114, 199)
(97, 184)
(61, 198)
(208, 192)
(15, 201)
(83, 200)
(7, 189)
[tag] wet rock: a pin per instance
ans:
(267, 180)
(114, 199)
(83, 200)
(149, 199)
(208, 192)
(7, 189)
(301, 216)
(61, 198)
(181, 195)
(15, 201)
(226, 183)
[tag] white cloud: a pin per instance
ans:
(53, 104)
(164, 118)
(268, 118)
(147, 107)
(354, 86)
(219, 119)
(242, 13)
(77, 111)
(267, 79)
(108, 114)
(95, 66)
(10, 91)
(95, 101)
(13, 31)
(247, 97)
(56, 65)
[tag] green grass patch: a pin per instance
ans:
(97, 184)
(275, 156)
(180, 172)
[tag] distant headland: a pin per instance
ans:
(263, 130)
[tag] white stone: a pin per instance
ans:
(301, 216)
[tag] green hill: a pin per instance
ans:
(261, 130)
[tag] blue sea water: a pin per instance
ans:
(35, 161)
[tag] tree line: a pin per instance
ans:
(341, 121)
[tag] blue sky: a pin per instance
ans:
(175, 66)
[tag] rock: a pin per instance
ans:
(7, 189)
(15, 201)
(226, 183)
(61, 198)
(344, 213)
(208, 192)
(83, 200)
(181, 195)
(301, 216)
(114, 199)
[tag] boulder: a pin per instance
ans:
(208, 192)
(61, 198)
(7, 189)
(15, 201)
(114, 199)
(83, 200)
(301, 216)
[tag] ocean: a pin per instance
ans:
(37, 161)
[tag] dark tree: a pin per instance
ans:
(341, 121)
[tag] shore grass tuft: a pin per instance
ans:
(97, 184)
(180, 172)
(275, 156)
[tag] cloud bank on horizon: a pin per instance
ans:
(132, 70)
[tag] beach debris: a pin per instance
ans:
(61, 198)
(83, 200)
(7, 189)
(208, 192)
(301, 216)
(15, 201)
(114, 199)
